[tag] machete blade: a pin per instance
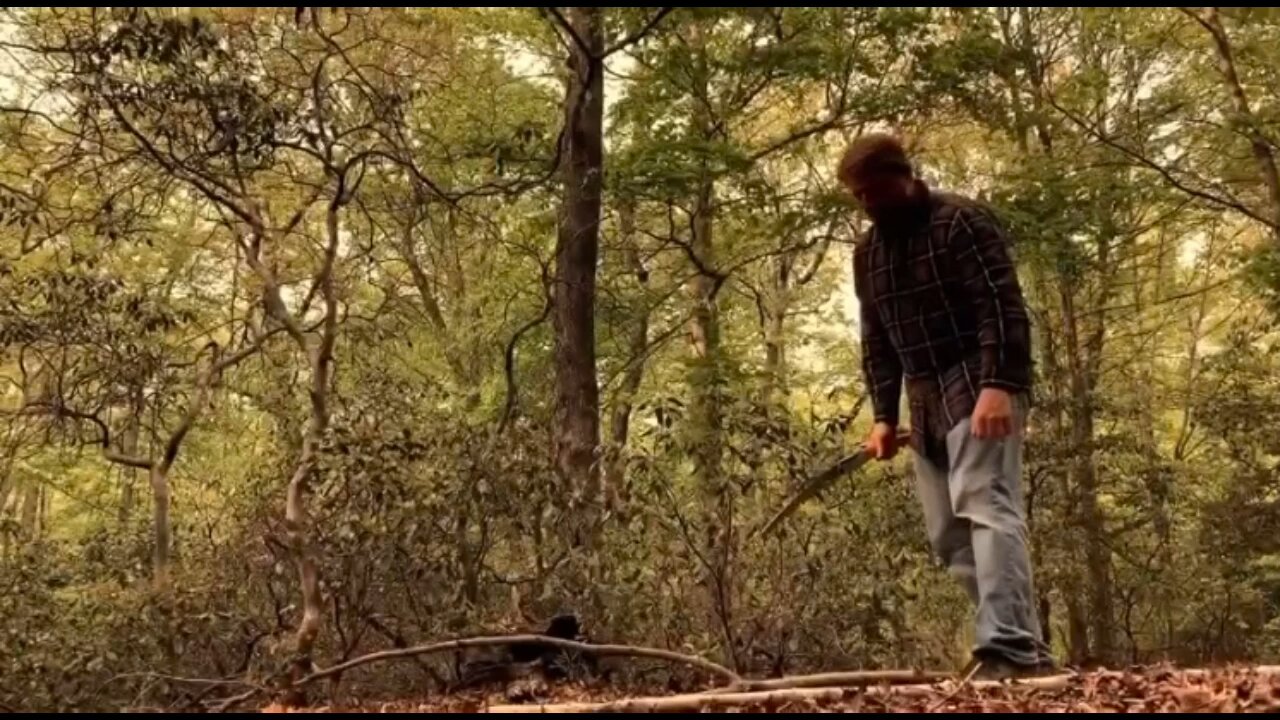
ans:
(816, 484)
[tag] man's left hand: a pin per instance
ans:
(993, 416)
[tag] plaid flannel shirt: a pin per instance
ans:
(941, 307)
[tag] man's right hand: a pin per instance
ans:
(883, 443)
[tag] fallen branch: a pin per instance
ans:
(768, 698)
(867, 678)
(1260, 671)
(691, 703)
(719, 671)
(959, 686)
(778, 698)
(228, 703)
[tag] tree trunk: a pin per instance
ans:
(775, 306)
(465, 374)
(787, 276)
(637, 346)
(6, 489)
(577, 401)
(163, 533)
(705, 341)
(31, 512)
(1085, 483)
(128, 474)
(707, 425)
(705, 380)
(319, 355)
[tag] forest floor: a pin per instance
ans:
(1248, 690)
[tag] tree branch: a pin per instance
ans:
(57, 409)
(509, 360)
(843, 679)
(563, 22)
(1167, 174)
(1191, 13)
(204, 381)
(707, 666)
(768, 698)
(640, 34)
(820, 254)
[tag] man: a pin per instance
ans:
(941, 308)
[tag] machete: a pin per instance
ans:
(821, 481)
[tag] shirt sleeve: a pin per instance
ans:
(981, 251)
(880, 362)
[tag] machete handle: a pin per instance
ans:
(902, 438)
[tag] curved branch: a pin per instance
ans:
(509, 364)
(58, 410)
(819, 254)
(719, 671)
(204, 381)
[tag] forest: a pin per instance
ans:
(333, 331)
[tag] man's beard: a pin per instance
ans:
(904, 215)
(899, 216)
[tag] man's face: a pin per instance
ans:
(883, 194)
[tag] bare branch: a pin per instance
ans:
(771, 698)
(640, 34)
(1191, 13)
(1168, 175)
(844, 679)
(509, 357)
(707, 666)
(558, 18)
(819, 255)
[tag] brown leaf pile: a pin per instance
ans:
(1239, 690)
(1154, 691)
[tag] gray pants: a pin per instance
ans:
(974, 514)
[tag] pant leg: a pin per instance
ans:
(986, 491)
(948, 535)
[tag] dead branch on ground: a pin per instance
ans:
(770, 698)
(862, 678)
(707, 666)
(721, 700)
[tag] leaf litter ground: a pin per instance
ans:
(1160, 690)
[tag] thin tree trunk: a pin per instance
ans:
(633, 376)
(162, 528)
(318, 349)
(465, 374)
(297, 518)
(705, 341)
(6, 489)
(706, 419)
(786, 278)
(129, 475)
(707, 427)
(31, 511)
(1084, 481)
(775, 306)
(466, 557)
(577, 397)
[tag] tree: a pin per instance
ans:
(577, 249)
